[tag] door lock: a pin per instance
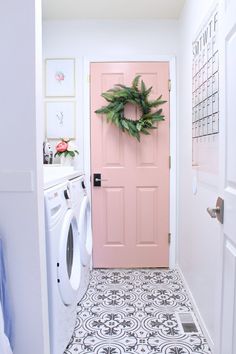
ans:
(97, 180)
(218, 211)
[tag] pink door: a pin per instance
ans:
(130, 211)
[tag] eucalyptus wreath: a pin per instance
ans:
(120, 95)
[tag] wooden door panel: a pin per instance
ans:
(114, 207)
(132, 224)
(146, 215)
(147, 151)
(112, 146)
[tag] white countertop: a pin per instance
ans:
(55, 174)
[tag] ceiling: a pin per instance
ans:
(111, 9)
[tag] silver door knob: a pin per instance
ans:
(213, 212)
(218, 211)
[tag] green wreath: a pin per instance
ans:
(119, 96)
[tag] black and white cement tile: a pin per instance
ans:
(136, 311)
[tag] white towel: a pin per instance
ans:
(4, 342)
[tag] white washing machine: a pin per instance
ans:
(63, 265)
(81, 206)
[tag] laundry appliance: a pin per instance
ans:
(64, 267)
(81, 205)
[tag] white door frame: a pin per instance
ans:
(173, 133)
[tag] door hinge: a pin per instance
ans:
(169, 85)
(169, 237)
(89, 79)
(169, 162)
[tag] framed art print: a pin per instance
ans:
(60, 77)
(60, 120)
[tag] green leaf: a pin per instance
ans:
(133, 130)
(122, 86)
(132, 102)
(116, 120)
(139, 126)
(111, 116)
(153, 103)
(156, 102)
(108, 96)
(144, 131)
(159, 111)
(143, 87)
(121, 93)
(147, 116)
(102, 110)
(148, 91)
(162, 102)
(133, 133)
(155, 116)
(135, 82)
(114, 89)
(136, 95)
(125, 124)
(148, 122)
(118, 107)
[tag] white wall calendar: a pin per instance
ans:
(205, 96)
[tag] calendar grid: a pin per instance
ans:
(205, 81)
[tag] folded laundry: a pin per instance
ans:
(4, 299)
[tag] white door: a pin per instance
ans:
(227, 321)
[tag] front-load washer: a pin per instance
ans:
(81, 207)
(63, 265)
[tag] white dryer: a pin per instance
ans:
(63, 265)
(81, 207)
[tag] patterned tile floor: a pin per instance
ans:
(136, 311)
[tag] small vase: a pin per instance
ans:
(66, 160)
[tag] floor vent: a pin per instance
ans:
(188, 322)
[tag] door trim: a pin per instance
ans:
(173, 133)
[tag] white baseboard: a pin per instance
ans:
(197, 312)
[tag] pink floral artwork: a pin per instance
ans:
(59, 76)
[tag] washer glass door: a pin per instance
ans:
(70, 251)
(69, 261)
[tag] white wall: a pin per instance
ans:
(21, 196)
(198, 242)
(106, 39)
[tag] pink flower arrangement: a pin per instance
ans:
(66, 148)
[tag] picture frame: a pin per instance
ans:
(60, 77)
(60, 119)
